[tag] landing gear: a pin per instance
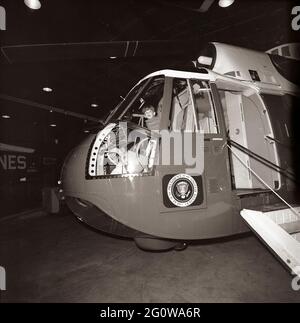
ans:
(149, 243)
(181, 246)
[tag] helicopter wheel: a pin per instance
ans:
(181, 246)
(149, 243)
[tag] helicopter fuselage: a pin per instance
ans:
(244, 153)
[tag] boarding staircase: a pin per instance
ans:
(278, 227)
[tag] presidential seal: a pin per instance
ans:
(182, 190)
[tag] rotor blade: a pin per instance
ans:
(18, 149)
(206, 5)
(96, 50)
(46, 107)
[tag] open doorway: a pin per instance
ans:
(248, 124)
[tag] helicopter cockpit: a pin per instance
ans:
(126, 147)
(128, 143)
(191, 109)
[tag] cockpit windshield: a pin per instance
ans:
(143, 104)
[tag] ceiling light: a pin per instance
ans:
(53, 125)
(47, 89)
(86, 131)
(225, 3)
(113, 57)
(33, 4)
(94, 105)
(5, 116)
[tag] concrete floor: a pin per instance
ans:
(54, 258)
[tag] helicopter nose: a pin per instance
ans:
(76, 183)
(73, 171)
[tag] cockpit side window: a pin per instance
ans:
(205, 111)
(125, 104)
(146, 109)
(182, 112)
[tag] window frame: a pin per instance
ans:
(214, 101)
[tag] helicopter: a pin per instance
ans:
(242, 104)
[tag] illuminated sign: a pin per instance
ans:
(12, 162)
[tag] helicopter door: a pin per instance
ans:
(248, 125)
(193, 110)
(232, 103)
(258, 126)
(182, 182)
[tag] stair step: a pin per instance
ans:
(284, 216)
(291, 227)
(246, 191)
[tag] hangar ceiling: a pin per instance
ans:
(77, 83)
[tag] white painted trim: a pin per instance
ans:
(182, 74)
